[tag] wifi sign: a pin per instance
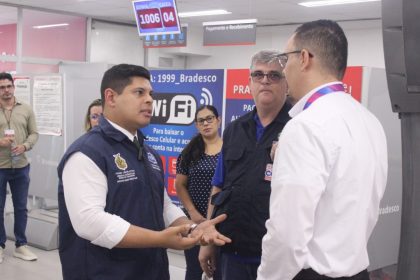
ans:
(173, 109)
(207, 97)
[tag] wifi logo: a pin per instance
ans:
(207, 97)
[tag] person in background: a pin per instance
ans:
(18, 134)
(93, 114)
(330, 168)
(115, 217)
(244, 171)
(194, 171)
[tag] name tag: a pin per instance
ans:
(268, 172)
(9, 132)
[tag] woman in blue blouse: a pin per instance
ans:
(194, 171)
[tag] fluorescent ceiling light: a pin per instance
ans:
(333, 2)
(50, 25)
(224, 22)
(203, 13)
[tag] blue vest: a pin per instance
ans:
(245, 162)
(135, 193)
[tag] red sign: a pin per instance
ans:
(172, 165)
(237, 84)
(149, 18)
(353, 81)
(163, 158)
(171, 186)
(169, 16)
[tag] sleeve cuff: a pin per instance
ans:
(113, 234)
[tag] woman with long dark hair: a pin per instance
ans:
(194, 172)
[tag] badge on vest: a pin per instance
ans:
(123, 175)
(120, 162)
(153, 162)
(268, 172)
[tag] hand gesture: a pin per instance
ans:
(207, 259)
(176, 238)
(208, 233)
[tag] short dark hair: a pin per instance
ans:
(119, 76)
(6, 76)
(327, 41)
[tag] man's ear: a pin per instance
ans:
(109, 96)
(305, 60)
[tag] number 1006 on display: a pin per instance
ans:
(154, 18)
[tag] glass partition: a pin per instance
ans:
(8, 38)
(53, 36)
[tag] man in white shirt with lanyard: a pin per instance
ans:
(330, 167)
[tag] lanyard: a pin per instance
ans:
(7, 116)
(323, 91)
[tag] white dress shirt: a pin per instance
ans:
(86, 199)
(329, 175)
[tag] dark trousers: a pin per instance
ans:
(194, 271)
(18, 179)
(310, 274)
(237, 268)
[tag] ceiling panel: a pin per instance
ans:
(268, 12)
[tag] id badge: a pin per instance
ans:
(268, 172)
(9, 132)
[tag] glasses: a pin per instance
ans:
(95, 116)
(208, 119)
(284, 57)
(6, 87)
(272, 76)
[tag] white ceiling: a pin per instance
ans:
(268, 12)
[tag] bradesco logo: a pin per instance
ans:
(173, 109)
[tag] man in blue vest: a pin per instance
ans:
(330, 168)
(115, 215)
(243, 173)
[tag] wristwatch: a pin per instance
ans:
(192, 227)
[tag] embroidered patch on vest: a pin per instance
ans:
(120, 162)
(153, 162)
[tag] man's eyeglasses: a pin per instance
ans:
(6, 87)
(208, 119)
(272, 76)
(284, 57)
(95, 116)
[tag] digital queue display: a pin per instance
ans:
(155, 17)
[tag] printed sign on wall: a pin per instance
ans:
(178, 94)
(239, 100)
(230, 34)
(353, 81)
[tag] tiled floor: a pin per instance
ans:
(48, 267)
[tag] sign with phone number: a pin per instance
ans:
(156, 17)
